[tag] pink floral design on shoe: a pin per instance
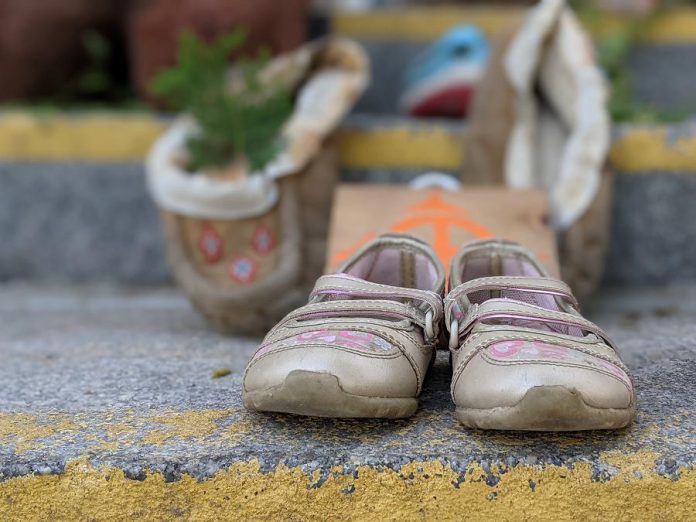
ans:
(360, 341)
(521, 351)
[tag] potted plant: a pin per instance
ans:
(245, 179)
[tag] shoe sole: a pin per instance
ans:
(547, 408)
(316, 394)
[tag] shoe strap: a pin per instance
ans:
(362, 309)
(532, 285)
(516, 310)
(350, 287)
(343, 296)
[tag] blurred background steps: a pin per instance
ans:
(659, 64)
(74, 206)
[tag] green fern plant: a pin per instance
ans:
(240, 123)
(613, 51)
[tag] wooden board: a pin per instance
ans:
(445, 219)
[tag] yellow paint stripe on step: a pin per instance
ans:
(84, 137)
(651, 149)
(411, 147)
(675, 26)
(126, 138)
(422, 23)
(641, 149)
(428, 490)
(91, 486)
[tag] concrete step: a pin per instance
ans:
(109, 411)
(73, 204)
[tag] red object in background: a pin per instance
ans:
(210, 244)
(41, 42)
(153, 29)
(263, 240)
(445, 103)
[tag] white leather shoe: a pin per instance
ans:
(363, 344)
(523, 357)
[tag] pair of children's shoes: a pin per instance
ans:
(523, 358)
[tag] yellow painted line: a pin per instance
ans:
(419, 490)
(422, 23)
(677, 25)
(25, 430)
(84, 137)
(105, 430)
(431, 147)
(114, 137)
(427, 147)
(650, 149)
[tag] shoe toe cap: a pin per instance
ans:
(497, 378)
(367, 375)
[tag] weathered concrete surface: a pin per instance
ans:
(664, 76)
(109, 410)
(653, 233)
(389, 60)
(72, 221)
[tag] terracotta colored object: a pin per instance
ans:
(41, 43)
(153, 28)
(43, 64)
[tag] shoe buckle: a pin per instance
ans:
(429, 330)
(454, 335)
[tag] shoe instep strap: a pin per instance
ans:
(532, 285)
(352, 287)
(509, 310)
(365, 309)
